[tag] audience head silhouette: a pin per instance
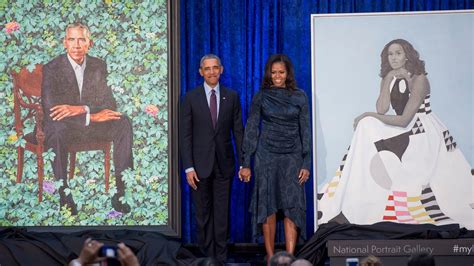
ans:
(421, 259)
(371, 260)
(282, 258)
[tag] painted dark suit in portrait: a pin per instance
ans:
(79, 108)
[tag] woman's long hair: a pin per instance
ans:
(414, 64)
(290, 81)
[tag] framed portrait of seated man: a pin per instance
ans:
(89, 100)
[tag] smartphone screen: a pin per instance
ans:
(352, 262)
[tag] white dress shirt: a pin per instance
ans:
(79, 72)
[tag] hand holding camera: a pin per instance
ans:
(108, 252)
(126, 255)
(89, 252)
(94, 251)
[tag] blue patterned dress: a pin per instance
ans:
(278, 135)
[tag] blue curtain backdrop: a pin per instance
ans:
(243, 34)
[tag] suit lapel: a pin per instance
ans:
(87, 80)
(70, 79)
(223, 101)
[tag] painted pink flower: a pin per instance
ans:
(11, 27)
(151, 110)
(48, 186)
(118, 89)
(113, 214)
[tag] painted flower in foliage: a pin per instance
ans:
(153, 179)
(48, 187)
(151, 110)
(11, 27)
(150, 35)
(118, 89)
(113, 214)
(12, 138)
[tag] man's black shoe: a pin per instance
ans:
(119, 206)
(68, 201)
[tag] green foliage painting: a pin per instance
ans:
(131, 36)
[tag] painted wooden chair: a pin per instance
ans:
(27, 97)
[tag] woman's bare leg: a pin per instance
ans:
(291, 235)
(269, 228)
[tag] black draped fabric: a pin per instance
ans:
(315, 249)
(20, 247)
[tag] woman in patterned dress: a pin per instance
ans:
(277, 135)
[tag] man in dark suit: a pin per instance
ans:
(210, 116)
(79, 107)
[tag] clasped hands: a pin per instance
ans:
(245, 174)
(59, 112)
(393, 74)
(399, 73)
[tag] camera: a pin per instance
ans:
(352, 262)
(108, 251)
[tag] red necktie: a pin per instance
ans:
(213, 107)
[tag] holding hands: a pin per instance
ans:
(245, 174)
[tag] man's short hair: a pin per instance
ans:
(301, 262)
(371, 260)
(421, 259)
(86, 30)
(210, 56)
(281, 258)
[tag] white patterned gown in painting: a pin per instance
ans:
(411, 175)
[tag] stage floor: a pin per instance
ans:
(243, 253)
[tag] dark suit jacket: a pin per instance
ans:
(200, 144)
(60, 87)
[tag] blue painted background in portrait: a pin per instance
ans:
(347, 64)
